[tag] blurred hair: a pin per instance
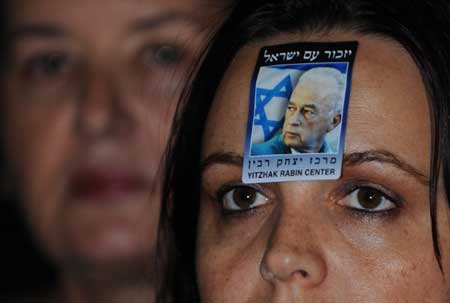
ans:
(20, 252)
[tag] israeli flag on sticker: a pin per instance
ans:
(273, 88)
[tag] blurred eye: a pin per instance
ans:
(368, 199)
(163, 55)
(47, 65)
(241, 198)
(308, 113)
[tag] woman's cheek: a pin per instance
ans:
(229, 252)
(386, 260)
(231, 276)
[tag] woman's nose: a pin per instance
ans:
(283, 265)
(101, 110)
(293, 255)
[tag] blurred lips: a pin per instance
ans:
(96, 184)
(292, 134)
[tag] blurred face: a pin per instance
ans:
(363, 238)
(89, 95)
(311, 114)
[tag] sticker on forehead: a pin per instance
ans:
(298, 109)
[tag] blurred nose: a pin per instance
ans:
(295, 119)
(102, 110)
(293, 261)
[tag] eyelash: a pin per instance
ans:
(228, 188)
(343, 192)
(152, 54)
(346, 190)
(37, 65)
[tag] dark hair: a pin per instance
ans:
(21, 253)
(420, 26)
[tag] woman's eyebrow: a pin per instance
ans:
(54, 30)
(37, 30)
(229, 158)
(384, 156)
(350, 159)
(160, 20)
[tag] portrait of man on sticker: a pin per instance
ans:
(300, 118)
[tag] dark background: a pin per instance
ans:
(23, 268)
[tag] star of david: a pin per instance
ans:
(263, 97)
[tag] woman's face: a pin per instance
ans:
(88, 97)
(327, 241)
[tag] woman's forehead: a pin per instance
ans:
(388, 108)
(110, 16)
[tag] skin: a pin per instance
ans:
(311, 114)
(322, 241)
(88, 96)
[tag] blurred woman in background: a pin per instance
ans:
(88, 90)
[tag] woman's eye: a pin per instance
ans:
(369, 200)
(163, 55)
(241, 198)
(47, 65)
